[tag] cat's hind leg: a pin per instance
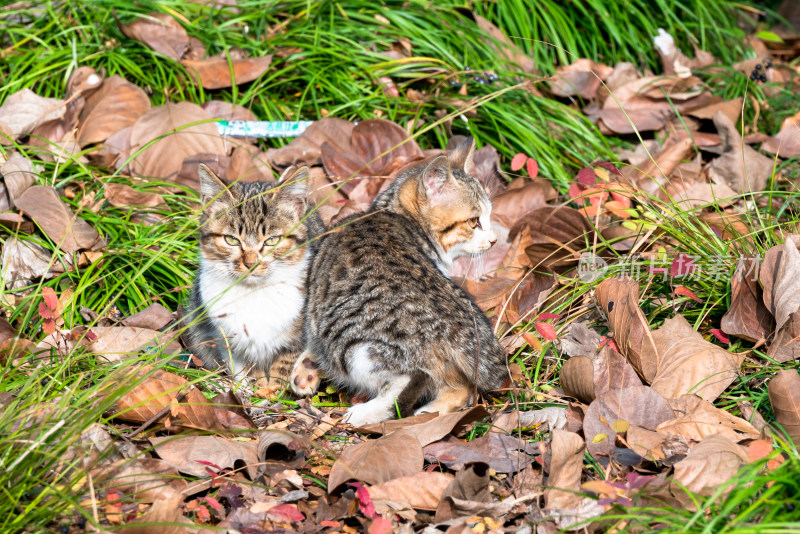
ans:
(305, 376)
(448, 399)
(383, 405)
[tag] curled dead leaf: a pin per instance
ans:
(215, 73)
(784, 395)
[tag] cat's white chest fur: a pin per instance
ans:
(258, 320)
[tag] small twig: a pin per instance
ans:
(161, 413)
(94, 502)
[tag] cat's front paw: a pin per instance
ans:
(305, 377)
(366, 413)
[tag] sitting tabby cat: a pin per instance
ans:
(382, 316)
(246, 302)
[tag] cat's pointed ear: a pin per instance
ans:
(435, 179)
(293, 187)
(461, 157)
(211, 187)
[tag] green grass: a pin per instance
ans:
(334, 61)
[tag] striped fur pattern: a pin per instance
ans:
(383, 318)
(256, 242)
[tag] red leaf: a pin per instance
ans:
(575, 191)
(518, 161)
(532, 167)
(50, 298)
(48, 326)
(213, 503)
(681, 266)
(546, 331)
(686, 292)
(286, 513)
(719, 335)
(203, 514)
(364, 500)
(586, 176)
(332, 524)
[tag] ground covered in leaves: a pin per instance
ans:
(646, 284)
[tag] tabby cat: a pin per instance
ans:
(383, 318)
(256, 242)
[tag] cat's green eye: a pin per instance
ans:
(232, 241)
(475, 223)
(272, 241)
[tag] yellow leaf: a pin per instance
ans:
(601, 173)
(620, 426)
(599, 437)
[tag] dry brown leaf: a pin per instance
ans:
(279, 450)
(581, 78)
(786, 143)
(636, 405)
(710, 463)
(696, 419)
(25, 110)
(558, 234)
(220, 109)
(118, 343)
(646, 443)
(551, 417)
(740, 167)
(769, 268)
(612, 371)
(784, 396)
(160, 32)
(377, 461)
(580, 340)
(186, 453)
(305, 149)
(513, 204)
(690, 364)
(377, 148)
(491, 291)
(215, 73)
(163, 517)
(116, 105)
(24, 262)
(121, 195)
(487, 169)
(19, 173)
(577, 378)
(644, 106)
(155, 317)
(438, 427)
(173, 140)
(652, 177)
(564, 484)
(159, 390)
(785, 294)
(785, 346)
(505, 46)
(422, 491)
(145, 479)
(501, 452)
(44, 205)
(619, 299)
(469, 486)
(732, 109)
(747, 316)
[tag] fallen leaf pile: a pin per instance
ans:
(645, 403)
